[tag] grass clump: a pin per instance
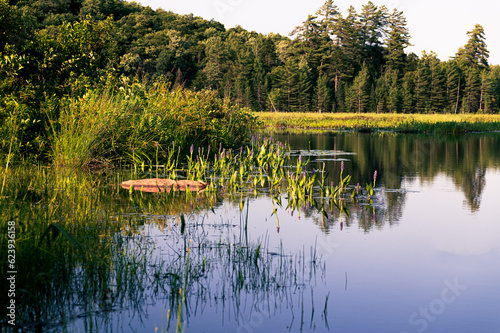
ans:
(107, 125)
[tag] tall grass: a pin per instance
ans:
(108, 125)
(87, 129)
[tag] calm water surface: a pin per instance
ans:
(425, 257)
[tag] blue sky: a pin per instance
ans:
(435, 25)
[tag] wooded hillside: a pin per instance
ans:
(332, 62)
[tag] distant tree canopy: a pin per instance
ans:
(334, 62)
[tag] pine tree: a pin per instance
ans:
(329, 14)
(304, 86)
(475, 53)
(472, 91)
(437, 84)
(359, 92)
(308, 32)
(453, 85)
(495, 88)
(395, 99)
(286, 82)
(349, 31)
(332, 60)
(373, 28)
(323, 93)
(258, 83)
(407, 91)
(398, 41)
(422, 82)
(486, 95)
(381, 93)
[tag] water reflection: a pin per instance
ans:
(354, 265)
(405, 158)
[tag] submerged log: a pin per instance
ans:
(155, 185)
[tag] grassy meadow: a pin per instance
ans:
(411, 123)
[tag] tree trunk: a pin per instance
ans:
(458, 94)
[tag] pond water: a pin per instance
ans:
(422, 255)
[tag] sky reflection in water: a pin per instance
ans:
(427, 259)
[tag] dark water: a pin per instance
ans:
(423, 257)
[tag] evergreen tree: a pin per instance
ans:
(350, 40)
(329, 14)
(323, 93)
(304, 86)
(398, 41)
(285, 88)
(332, 60)
(422, 83)
(380, 94)
(475, 53)
(472, 91)
(373, 28)
(407, 92)
(395, 98)
(359, 92)
(437, 85)
(486, 96)
(495, 88)
(453, 86)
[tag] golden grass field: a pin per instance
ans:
(373, 121)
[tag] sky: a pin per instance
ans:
(435, 25)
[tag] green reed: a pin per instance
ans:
(262, 167)
(102, 126)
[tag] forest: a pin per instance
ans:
(332, 62)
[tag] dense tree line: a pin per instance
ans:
(332, 62)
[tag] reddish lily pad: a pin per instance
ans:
(155, 185)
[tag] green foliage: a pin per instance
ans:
(54, 52)
(104, 125)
